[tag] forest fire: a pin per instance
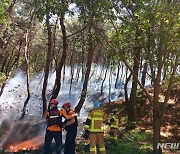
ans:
(32, 144)
(22, 135)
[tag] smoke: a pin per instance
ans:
(11, 103)
(15, 133)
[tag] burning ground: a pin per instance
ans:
(27, 135)
(21, 135)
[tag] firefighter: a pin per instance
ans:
(54, 126)
(94, 129)
(114, 125)
(71, 127)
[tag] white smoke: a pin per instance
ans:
(15, 93)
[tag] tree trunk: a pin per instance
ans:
(122, 72)
(6, 55)
(102, 71)
(102, 85)
(156, 130)
(26, 53)
(156, 108)
(167, 94)
(125, 89)
(156, 117)
(143, 79)
(63, 58)
(72, 73)
(132, 101)
(10, 69)
(110, 78)
(48, 62)
(117, 77)
(78, 72)
(82, 65)
(64, 72)
(165, 71)
(88, 66)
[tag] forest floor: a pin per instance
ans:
(138, 140)
(170, 130)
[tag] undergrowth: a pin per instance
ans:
(132, 142)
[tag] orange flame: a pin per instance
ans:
(32, 144)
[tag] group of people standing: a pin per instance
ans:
(94, 128)
(55, 125)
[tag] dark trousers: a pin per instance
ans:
(57, 135)
(69, 147)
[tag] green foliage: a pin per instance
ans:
(124, 120)
(3, 11)
(128, 124)
(128, 148)
(139, 136)
(139, 144)
(50, 8)
(2, 77)
(176, 81)
(133, 142)
(131, 125)
(95, 9)
(1, 150)
(113, 57)
(83, 149)
(37, 58)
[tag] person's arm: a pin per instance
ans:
(71, 121)
(68, 117)
(87, 126)
(46, 114)
(88, 122)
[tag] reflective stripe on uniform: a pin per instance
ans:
(92, 129)
(89, 117)
(53, 117)
(98, 113)
(86, 127)
(93, 149)
(96, 130)
(102, 149)
(97, 119)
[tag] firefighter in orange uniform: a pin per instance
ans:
(95, 128)
(54, 127)
(71, 127)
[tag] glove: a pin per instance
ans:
(112, 120)
(75, 115)
(86, 134)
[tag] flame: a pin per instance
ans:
(11, 147)
(32, 144)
